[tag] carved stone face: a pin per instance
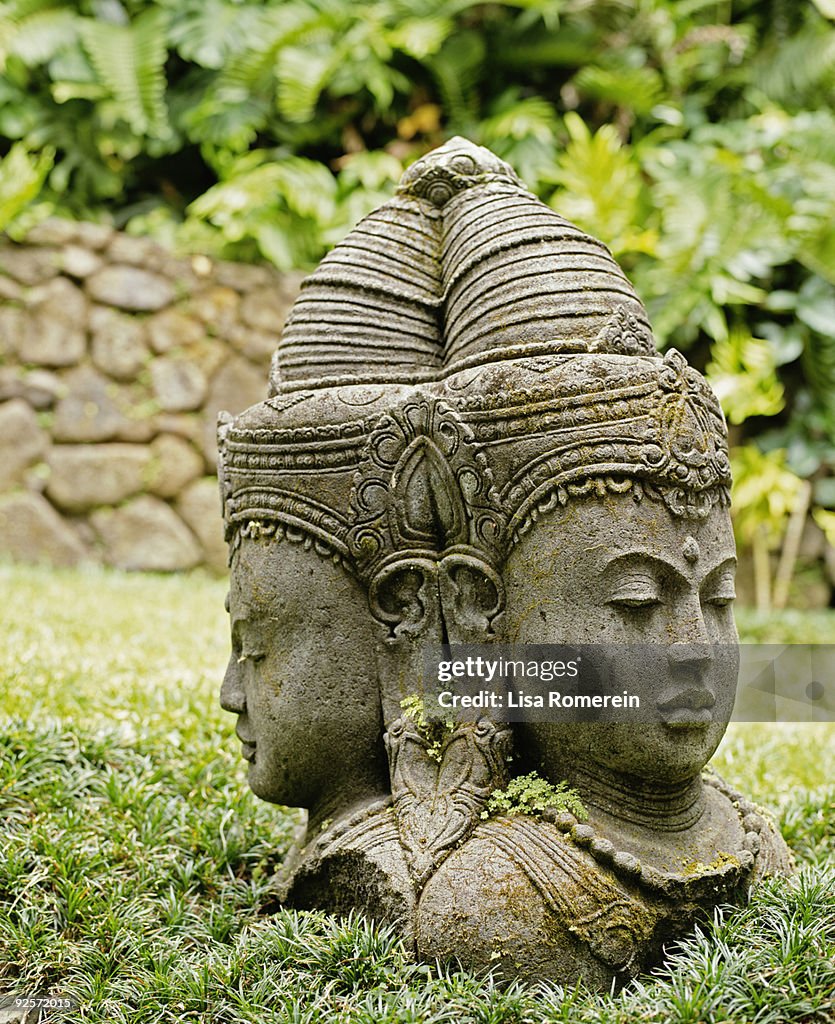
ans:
(610, 571)
(302, 679)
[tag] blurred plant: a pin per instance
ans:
(771, 504)
(21, 179)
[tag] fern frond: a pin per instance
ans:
(130, 61)
(636, 88)
(210, 32)
(457, 68)
(302, 74)
(36, 38)
(793, 71)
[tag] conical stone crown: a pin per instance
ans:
(463, 264)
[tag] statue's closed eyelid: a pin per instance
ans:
(634, 589)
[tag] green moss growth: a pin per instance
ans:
(433, 731)
(697, 867)
(531, 795)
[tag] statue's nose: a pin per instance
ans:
(232, 695)
(689, 655)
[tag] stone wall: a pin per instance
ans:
(115, 358)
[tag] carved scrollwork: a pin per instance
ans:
(441, 783)
(422, 486)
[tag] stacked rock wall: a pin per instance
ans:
(115, 358)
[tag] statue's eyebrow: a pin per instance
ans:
(662, 565)
(628, 559)
(727, 563)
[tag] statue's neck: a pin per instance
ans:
(338, 806)
(657, 806)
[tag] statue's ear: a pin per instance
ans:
(404, 597)
(472, 599)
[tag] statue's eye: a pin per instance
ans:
(635, 601)
(251, 656)
(635, 592)
(720, 592)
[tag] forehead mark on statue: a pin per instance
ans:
(690, 550)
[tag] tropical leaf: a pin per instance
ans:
(601, 187)
(457, 68)
(742, 372)
(130, 62)
(638, 89)
(210, 32)
(21, 178)
(37, 37)
(302, 75)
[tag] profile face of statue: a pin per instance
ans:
(302, 679)
(615, 572)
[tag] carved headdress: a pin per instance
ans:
(464, 359)
(463, 355)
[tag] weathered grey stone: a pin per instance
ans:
(119, 348)
(32, 531)
(87, 475)
(28, 266)
(179, 385)
(140, 422)
(38, 388)
(145, 534)
(22, 441)
(92, 236)
(53, 231)
(183, 424)
(265, 310)
(14, 324)
(96, 409)
(470, 439)
(255, 345)
(174, 463)
(56, 331)
(243, 277)
(236, 385)
(57, 232)
(78, 261)
(173, 329)
(135, 251)
(130, 288)
(198, 505)
(217, 307)
(10, 290)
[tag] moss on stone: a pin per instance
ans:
(531, 795)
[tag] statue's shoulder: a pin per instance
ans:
(516, 889)
(355, 865)
(762, 836)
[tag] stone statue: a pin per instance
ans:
(470, 439)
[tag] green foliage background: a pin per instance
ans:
(695, 137)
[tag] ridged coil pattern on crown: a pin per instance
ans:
(462, 262)
(372, 303)
(516, 273)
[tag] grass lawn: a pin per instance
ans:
(134, 863)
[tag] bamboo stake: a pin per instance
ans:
(762, 569)
(791, 546)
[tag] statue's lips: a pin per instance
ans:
(688, 709)
(687, 718)
(247, 744)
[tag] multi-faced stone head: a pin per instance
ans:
(470, 438)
